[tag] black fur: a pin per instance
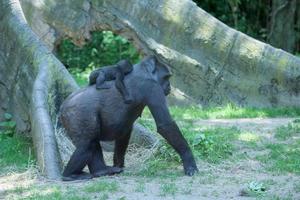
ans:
(91, 115)
(114, 72)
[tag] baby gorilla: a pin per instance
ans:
(113, 72)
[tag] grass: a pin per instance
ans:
(286, 132)
(102, 186)
(212, 145)
(168, 189)
(297, 187)
(284, 156)
(231, 111)
(140, 187)
(46, 193)
(16, 153)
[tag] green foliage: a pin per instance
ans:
(105, 48)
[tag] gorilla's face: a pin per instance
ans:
(158, 71)
(163, 76)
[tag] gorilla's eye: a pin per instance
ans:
(167, 77)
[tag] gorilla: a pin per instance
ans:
(114, 72)
(90, 115)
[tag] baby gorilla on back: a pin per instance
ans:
(113, 72)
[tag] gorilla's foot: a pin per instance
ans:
(108, 171)
(190, 171)
(80, 176)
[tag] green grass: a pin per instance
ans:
(212, 145)
(45, 193)
(282, 158)
(140, 187)
(286, 132)
(16, 152)
(102, 186)
(168, 189)
(230, 112)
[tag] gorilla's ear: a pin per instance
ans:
(150, 64)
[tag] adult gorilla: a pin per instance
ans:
(90, 115)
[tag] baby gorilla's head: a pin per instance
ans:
(125, 66)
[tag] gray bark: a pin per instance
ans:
(29, 75)
(212, 63)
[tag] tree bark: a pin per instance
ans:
(282, 31)
(212, 63)
(33, 83)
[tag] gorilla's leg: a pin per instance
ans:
(77, 162)
(97, 164)
(121, 145)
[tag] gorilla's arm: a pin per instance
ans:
(120, 85)
(168, 128)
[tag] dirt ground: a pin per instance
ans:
(227, 180)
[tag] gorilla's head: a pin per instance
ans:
(125, 66)
(158, 71)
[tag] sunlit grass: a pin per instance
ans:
(248, 137)
(231, 111)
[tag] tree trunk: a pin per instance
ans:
(212, 63)
(282, 31)
(33, 84)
